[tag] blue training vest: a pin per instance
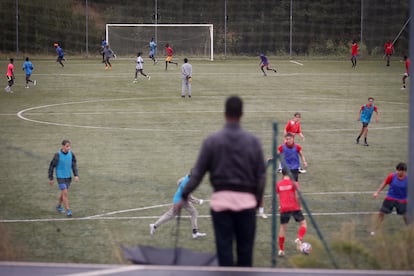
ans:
(366, 114)
(398, 188)
(291, 156)
(64, 166)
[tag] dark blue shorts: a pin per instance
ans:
(389, 205)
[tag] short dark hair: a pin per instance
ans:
(401, 166)
(289, 134)
(297, 114)
(185, 60)
(64, 142)
(234, 107)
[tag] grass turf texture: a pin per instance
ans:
(133, 141)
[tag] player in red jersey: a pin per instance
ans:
(354, 53)
(407, 71)
(293, 126)
(10, 76)
(170, 53)
(388, 50)
(289, 207)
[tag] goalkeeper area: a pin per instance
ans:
(190, 40)
(133, 141)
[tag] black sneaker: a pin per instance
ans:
(366, 144)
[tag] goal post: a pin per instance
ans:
(189, 40)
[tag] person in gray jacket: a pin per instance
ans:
(234, 159)
(186, 75)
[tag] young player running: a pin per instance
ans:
(173, 211)
(407, 71)
(289, 207)
(170, 54)
(264, 63)
(10, 76)
(396, 195)
(139, 68)
(28, 68)
(60, 53)
(364, 115)
(153, 48)
(108, 53)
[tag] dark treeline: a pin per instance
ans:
(324, 27)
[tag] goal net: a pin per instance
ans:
(189, 40)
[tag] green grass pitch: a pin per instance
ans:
(133, 141)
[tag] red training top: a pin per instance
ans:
(170, 51)
(286, 189)
(293, 127)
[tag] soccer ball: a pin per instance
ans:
(306, 248)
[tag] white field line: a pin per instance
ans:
(295, 62)
(107, 216)
(21, 115)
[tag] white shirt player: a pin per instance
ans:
(140, 63)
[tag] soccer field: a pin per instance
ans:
(133, 141)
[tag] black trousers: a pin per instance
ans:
(238, 226)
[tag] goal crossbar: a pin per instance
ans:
(209, 26)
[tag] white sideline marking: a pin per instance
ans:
(105, 216)
(110, 271)
(295, 62)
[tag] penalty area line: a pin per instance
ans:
(295, 62)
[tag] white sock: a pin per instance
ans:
(261, 210)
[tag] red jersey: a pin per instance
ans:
(407, 66)
(388, 48)
(10, 70)
(170, 51)
(354, 49)
(293, 127)
(286, 189)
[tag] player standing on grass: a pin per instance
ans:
(388, 51)
(139, 68)
(10, 76)
(292, 154)
(364, 115)
(28, 67)
(186, 75)
(108, 53)
(153, 48)
(174, 211)
(60, 53)
(396, 195)
(407, 71)
(289, 207)
(65, 163)
(354, 53)
(264, 63)
(170, 53)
